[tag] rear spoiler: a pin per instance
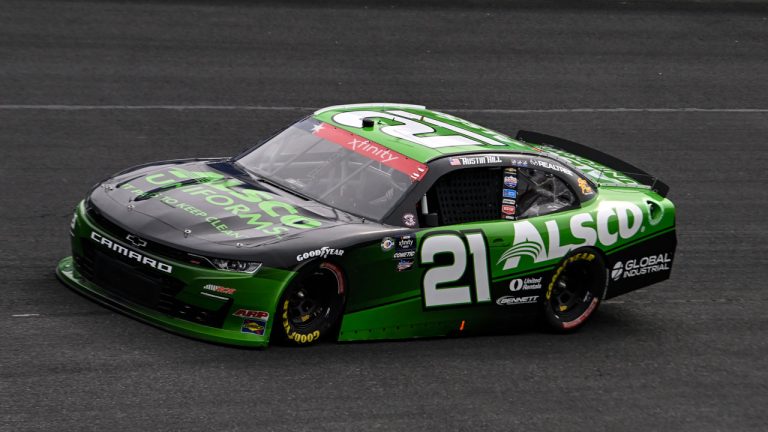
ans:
(629, 170)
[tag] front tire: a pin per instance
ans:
(311, 306)
(575, 291)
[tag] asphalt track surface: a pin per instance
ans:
(88, 88)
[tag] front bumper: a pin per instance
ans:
(180, 302)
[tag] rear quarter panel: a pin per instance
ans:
(633, 228)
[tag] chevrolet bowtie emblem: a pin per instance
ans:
(136, 240)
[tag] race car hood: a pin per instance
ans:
(196, 205)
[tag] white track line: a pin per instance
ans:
(301, 108)
(154, 107)
(616, 110)
(25, 315)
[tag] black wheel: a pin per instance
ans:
(575, 291)
(312, 305)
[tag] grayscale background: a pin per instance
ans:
(90, 87)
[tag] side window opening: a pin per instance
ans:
(540, 193)
(491, 194)
(467, 195)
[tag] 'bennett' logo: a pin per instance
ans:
(122, 250)
(510, 300)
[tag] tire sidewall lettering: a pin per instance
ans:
(592, 298)
(308, 336)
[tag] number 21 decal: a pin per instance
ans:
(413, 127)
(467, 248)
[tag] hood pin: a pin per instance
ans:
(187, 232)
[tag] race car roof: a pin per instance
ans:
(417, 132)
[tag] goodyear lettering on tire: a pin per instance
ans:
(300, 338)
(584, 256)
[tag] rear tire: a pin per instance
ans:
(311, 306)
(575, 291)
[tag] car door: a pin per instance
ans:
(496, 227)
(451, 276)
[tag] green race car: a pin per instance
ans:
(372, 221)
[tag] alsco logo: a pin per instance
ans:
(528, 240)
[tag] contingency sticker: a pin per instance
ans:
(405, 264)
(406, 243)
(586, 189)
(409, 220)
(405, 248)
(247, 313)
(405, 251)
(254, 326)
(508, 208)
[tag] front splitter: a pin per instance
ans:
(66, 272)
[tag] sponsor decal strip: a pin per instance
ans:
(372, 150)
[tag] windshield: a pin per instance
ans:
(335, 167)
